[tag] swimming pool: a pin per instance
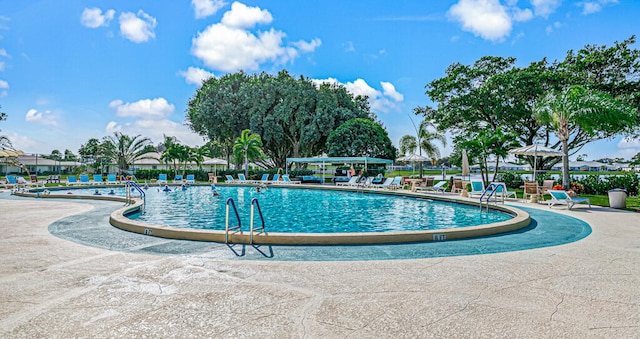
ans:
(305, 210)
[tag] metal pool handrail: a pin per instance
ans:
(140, 190)
(491, 190)
(255, 202)
(237, 228)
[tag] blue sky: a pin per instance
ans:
(72, 70)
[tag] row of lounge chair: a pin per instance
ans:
(189, 179)
(277, 179)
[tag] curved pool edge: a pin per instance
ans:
(520, 220)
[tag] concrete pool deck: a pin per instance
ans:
(51, 287)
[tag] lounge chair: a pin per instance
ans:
(177, 179)
(276, 179)
(364, 183)
(242, 179)
(502, 191)
(562, 198)
(477, 188)
(72, 180)
(531, 189)
(84, 179)
(441, 187)
(97, 179)
(13, 181)
(457, 186)
(264, 179)
(387, 182)
(287, 180)
(396, 183)
(191, 179)
(229, 178)
(112, 179)
(547, 185)
(162, 178)
(352, 181)
(212, 178)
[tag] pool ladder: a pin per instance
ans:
(238, 228)
(489, 192)
(129, 185)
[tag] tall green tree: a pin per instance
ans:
(248, 147)
(4, 140)
(294, 117)
(361, 137)
(579, 111)
(124, 150)
(484, 145)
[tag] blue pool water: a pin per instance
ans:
(305, 210)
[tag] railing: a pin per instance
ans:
(489, 192)
(132, 185)
(254, 202)
(235, 229)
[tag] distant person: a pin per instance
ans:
(166, 188)
(112, 192)
(444, 172)
(96, 193)
(214, 191)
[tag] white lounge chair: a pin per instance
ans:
(287, 180)
(441, 187)
(562, 198)
(353, 181)
(387, 182)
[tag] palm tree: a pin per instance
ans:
(247, 146)
(577, 110)
(408, 144)
(426, 138)
(125, 150)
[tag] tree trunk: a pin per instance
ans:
(565, 165)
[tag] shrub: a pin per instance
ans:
(511, 179)
(597, 185)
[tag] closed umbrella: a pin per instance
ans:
(536, 151)
(465, 164)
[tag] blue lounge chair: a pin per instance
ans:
(241, 178)
(162, 179)
(562, 198)
(177, 179)
(276, 179)
(287, 180)
(396, 183)
(230, 178)
(112, 179)
(12, 181)
(84, 179)
(97, 178)
(191, 179)
(72, 180)
(264, 179)
(477, 187)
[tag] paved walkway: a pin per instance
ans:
(55, 288)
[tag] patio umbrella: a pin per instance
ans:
(8, 152)
(413, 158)
(536, 151)
(214, 162)
(465, 164)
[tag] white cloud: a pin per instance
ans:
(521, 14)
(205, 8)
(229, 46)
(380, 102)
(196, 76)
(93, 17)
(242, 16)
(549, 29)
(137, 27)
(485, 18)
(390, 91)
(544, 8)
(3, 52)
(44, 118)
(157, 108)
(349, 47)
(590, 7)
(4, 86)
(306, 47)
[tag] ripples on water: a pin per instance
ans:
(306, 210)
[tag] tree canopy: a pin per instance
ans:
(495, 94)
(361, 138)
(293, 117)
